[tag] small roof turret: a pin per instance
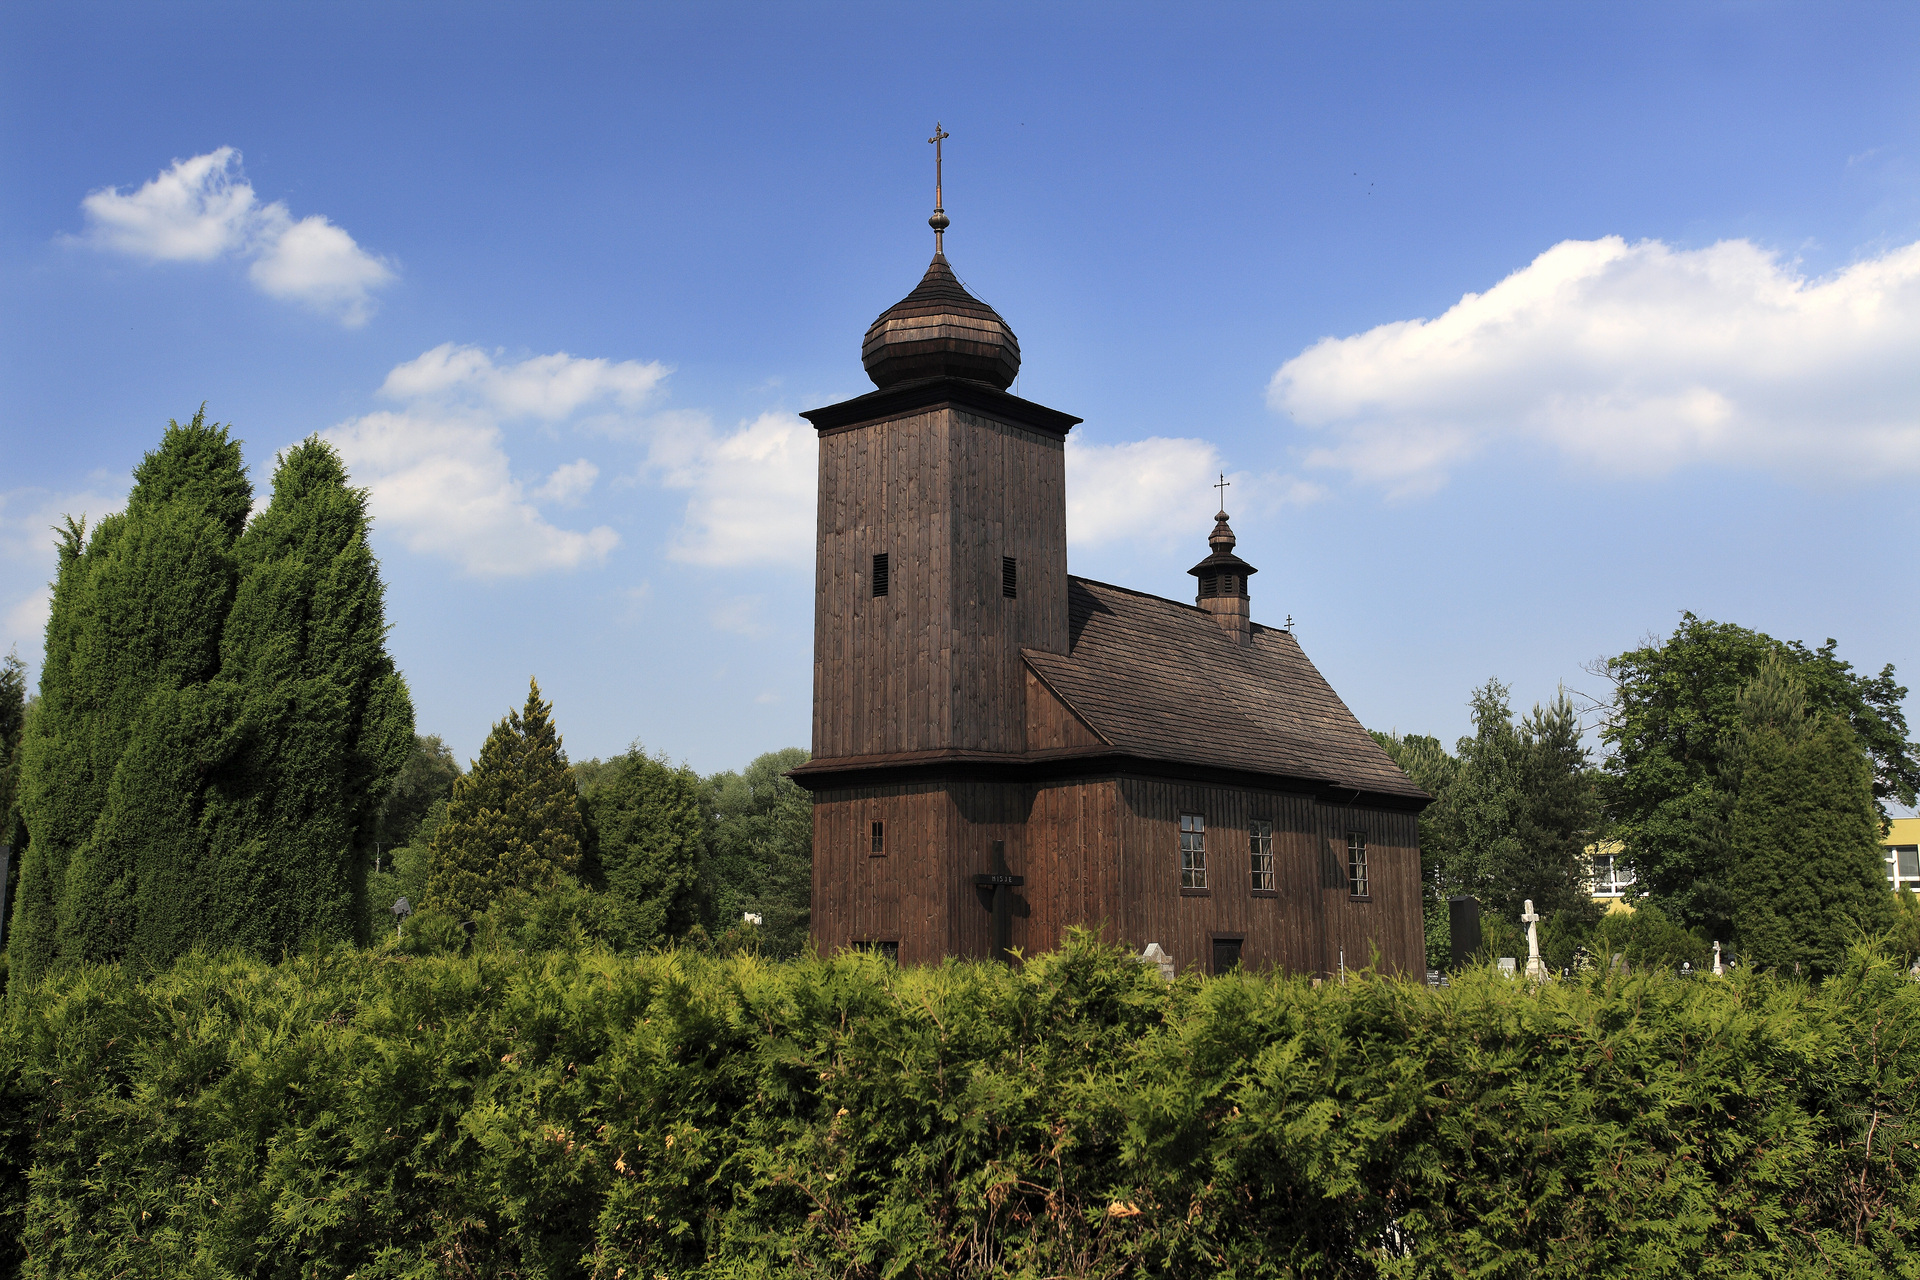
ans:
(1222, 573)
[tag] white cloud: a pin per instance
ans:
(1157, 490)
(1633, 357)
(437, 469)
(569, 483)
(754, 488)
(202, 209)
(546, 387)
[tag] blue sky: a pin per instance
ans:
(1518, 328)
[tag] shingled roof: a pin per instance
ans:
(1163, 681)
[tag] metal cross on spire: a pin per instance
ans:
(1223, 486)
(939, 221)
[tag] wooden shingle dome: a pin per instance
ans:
(940, 331)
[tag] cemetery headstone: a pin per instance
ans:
(1157, 956)
(1536, 967)
(1509, 966)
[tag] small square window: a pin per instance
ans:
(880, 574)
(1193, 851)
(1357, 865)
(1260, 839)
(879, 838)
(1009, 577)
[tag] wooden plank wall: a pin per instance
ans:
(1051, 723)
(1309, 920)
(935, 663)
(1070, 864)
(919, 893)
(1105, 853)
(1389, 920)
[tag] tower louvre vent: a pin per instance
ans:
(880, 574)
(1009, 577)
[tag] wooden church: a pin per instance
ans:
(1002, 750)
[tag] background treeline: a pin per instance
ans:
(579, 1113)
(631, 852)
(1744, 780)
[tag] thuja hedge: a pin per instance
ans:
(579, 1113)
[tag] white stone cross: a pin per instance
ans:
(1717, 966)
(1536, 967)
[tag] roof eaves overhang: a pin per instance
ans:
(1068, 764)
(929, 393)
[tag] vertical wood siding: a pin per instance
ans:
(935, 663)
(1104, 853)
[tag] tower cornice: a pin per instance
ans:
(906, 398)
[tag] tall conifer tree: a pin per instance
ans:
(514, 819)
(132, 643)
(1806, 862)
(218, 716)
(325, 721)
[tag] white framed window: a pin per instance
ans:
(1356, 865)
(1611, 877)
(1193, 851)
(1260, 843)
(1903, 866)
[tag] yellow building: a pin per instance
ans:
(1902, 845)
(1611, 878)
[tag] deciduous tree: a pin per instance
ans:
(1672, 727)
(649, 828)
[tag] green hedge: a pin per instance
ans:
(580, 1113)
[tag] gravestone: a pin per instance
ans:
(1718, 966)
(1536, 967)
(1156, 956)
(1463, 924)
(1509, 966)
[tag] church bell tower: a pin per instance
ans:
(942, 540)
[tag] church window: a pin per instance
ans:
(880, 574)
(1226, 955)
(1260, 837)
(1357, 865)
(886, 949)
(879, 837)
(1009, 577)
(1193, 851)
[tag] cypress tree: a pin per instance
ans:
(325, 720)
(13, 722)
(514, 819)
(649, 831)
(132, 640)
(1806, 874)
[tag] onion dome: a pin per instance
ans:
(1222, 573)
(940, 331)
